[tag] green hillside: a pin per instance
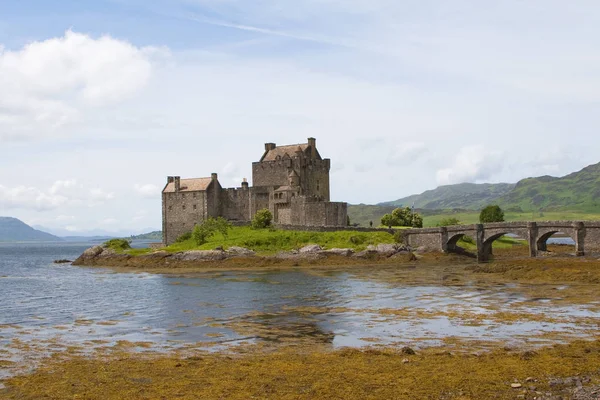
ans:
(579, 191)
(469, 196)
(14, 230)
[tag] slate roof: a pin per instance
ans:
(189, 185)
(280, 151)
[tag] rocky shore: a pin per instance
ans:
(105, 256)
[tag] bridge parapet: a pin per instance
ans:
(536, 234)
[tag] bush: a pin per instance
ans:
(491, 213)
(399, 237)
(117, 244)
(208, 228)
(402, 217)
(184, 237)
(262, 219)
(449, 222)
(467, 239)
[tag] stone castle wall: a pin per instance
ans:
(181, 211)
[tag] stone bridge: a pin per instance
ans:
(586, 234)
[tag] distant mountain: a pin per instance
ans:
(579, 191)
(470, 196)
(93, 233)
(14, 230)
(154, 235)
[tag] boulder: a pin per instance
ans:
(368, 253)
(200, 255)
(92, 252)
(337, 252)
(236, 251)
(311, 248)
(157, 254)
(386, 249)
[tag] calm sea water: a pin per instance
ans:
(43, 301)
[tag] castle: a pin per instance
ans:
(292, 181)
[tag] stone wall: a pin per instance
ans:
(181, 211)
(235, 204)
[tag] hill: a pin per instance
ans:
(469, 196)
(579, 191)
(154, 235)
(14, 230)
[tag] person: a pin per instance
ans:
(371, 223)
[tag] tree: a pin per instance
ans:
(208, 228)
(449, 221)
(262, 219)
(402, 217)
(492, 213)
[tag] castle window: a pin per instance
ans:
(183, 206)
(194, 206)
(170, 208)
(194, 195)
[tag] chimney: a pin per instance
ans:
(177, 181)
(269, 146)
(213, 176)
(170, 179)
(244, 183)
(312, 142)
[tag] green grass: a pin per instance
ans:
(266, 241)
(504, 242)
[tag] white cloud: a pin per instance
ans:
(109, 221)
(61, 193)
(49, 84)
(147, 190)
(471, 164)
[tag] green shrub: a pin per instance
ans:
(184, 237)
(117, 244)
(262, 219)
(208, 228)
(449, 221)
(358, 239)
(399, 237)
(491, 213)
(402, 217)
(467, 239)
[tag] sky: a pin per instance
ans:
(101, 100)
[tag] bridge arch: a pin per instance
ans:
(485, 252)
(542, 240)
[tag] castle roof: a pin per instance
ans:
(281, 151)
(189, 185)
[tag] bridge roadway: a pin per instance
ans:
(586, 234)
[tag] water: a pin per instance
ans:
(58, 305)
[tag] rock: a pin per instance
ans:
(157, 254)
(200, 255)
(405, 360)
(337, 252)
(407, 350)
(62, 261)
(311, 248)
(236, 251)
(219, 248)
(370, 254)
(529, 379)
(515, 385)
(386, 249)
(92, 252)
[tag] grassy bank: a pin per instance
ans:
(271, 241)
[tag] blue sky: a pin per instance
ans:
(101, 100)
